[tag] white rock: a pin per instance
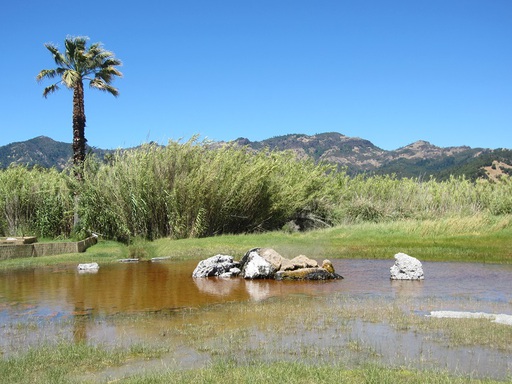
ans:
(88, 267)
(498, 318)
(257, 267)
(406, 268)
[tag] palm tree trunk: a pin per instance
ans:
(78, 142)
(78, 129)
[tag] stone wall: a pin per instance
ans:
(45, 249)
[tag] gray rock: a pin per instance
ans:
(214, 266)
(233, 272)
(406, 268)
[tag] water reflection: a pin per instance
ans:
(168, 285)
(402, 288)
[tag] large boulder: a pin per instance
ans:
(219, 265)
(270, 255)
(406, 268)
(256, 267)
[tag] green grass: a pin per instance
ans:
(57, 363)
(470, 239)
(295, 372)
(68, 363)
(477, 239)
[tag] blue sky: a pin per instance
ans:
(392, 72)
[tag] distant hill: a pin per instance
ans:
(355, 155)
(419, 159)
(41, 151)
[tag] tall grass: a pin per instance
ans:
(36, 201)
(193, 190)
(198, 189)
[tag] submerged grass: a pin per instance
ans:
(262, 342)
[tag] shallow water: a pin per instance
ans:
(65, 303)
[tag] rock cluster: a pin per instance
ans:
(406, 268)
(266, 263)
(219, 265)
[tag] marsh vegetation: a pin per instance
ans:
(193, 200)
(200, 189)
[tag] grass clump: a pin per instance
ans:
(58, 363)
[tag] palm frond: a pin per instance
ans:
(70, 78)
(46, 73)
(50, 89)
(59, 58)
(103, 86)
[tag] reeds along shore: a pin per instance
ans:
(198, 189)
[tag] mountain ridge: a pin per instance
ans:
(353, 154)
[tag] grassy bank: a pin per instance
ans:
(470, 239)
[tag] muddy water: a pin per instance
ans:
(148, 286)
(50, 297)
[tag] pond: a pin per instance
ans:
(60, 302)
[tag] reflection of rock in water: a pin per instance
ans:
(218, 286)
(407, 288)
(257, 290)
(226, 288)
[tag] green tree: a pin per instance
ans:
(74, 66)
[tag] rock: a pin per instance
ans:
(327, 265)
(88, 267)
(303, 262)
(307, 274)
(233, 272)
(266, 263)
(274, 258)
(214, 266)
(256, 267)
(406, 268)
(287, 265)
(268, 254)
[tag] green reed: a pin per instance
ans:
(201, 189)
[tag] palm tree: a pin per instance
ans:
(76, 65)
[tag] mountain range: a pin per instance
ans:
(353, 154)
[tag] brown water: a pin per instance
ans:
(50, 297)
